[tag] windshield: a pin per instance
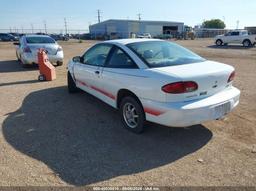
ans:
(163, 53)
(39, 40)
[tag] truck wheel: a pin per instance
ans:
(71, 84)
(132, 113)
(219, 42)
(247, 43)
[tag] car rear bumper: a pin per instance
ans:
(184, 114)
(32, 59)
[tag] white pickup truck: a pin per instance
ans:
(236, 37)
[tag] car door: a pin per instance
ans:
(88, 72)
(235, 37)
(119, 71)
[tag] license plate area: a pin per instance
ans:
(222, 109)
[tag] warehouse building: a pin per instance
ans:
(251, 30)
(127, 28)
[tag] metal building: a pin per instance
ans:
(251, 30)
(125, 28)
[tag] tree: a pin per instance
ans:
(214, 24)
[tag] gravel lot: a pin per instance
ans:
(51, 138)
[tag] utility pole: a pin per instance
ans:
(99, 15)
(45, 27)
(10, 29)
(237, 24)
(32, 28)
(139, 16)
(66, 26)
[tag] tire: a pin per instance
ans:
(25, 65)
(247, 43)
(18, 59)
(132, 114)
(71, 84)
(219, 42)
(59, 63)
(41, 78)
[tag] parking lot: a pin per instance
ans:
(41, 146)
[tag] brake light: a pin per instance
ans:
(27, 49)
(180, 87)
(232, 76)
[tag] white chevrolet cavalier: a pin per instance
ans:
(156, 81)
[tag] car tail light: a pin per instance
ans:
(59, 49)
(232, 77)
(180, 87)
(27, 49)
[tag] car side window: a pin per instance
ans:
(235, 34)
(119, 59)
(97, 55)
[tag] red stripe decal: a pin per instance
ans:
(82, 83)
(153, 111)
(104, 92)
(98, 90)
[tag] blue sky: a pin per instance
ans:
(81, 13)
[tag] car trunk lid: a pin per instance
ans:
(51, 49)
(211, 78)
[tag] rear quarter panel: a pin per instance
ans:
(145, 84)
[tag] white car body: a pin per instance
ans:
(214, 98)
(236, 37)
(29, 56)
(145, 35)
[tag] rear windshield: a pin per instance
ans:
(163, 53)
(40, 40)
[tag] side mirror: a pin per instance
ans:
(16, 43)
(77, 59)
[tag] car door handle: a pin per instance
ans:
(97, 72)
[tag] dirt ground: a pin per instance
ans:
(51, 138)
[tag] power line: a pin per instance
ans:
(66, 26)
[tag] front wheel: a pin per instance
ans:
(219, 42)
(132, 114)
(71, 84)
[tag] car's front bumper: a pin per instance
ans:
(29, 58)
(184, 114)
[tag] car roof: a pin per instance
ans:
(30, 35)
(130, 40)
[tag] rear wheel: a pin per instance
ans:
(25, 65)
(132, 114)
(218, 42)
(247, 43)
(59, 63)
(71, 84)
(17, 57)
